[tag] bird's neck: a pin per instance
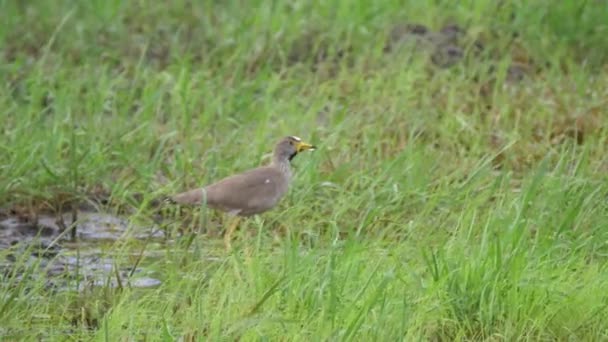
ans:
(283, 165)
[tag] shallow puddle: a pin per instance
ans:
(88, 261)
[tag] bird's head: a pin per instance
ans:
(289, 147)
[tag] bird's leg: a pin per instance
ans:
(230, 231)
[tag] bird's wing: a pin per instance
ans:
(252, 191)
(249, 192)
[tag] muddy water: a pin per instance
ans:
(86, 261)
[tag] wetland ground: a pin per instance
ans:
(459, 191)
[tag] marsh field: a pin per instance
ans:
(459, 190)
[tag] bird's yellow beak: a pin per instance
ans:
(302, 146)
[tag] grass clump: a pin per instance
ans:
(448, 201)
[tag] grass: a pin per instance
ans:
(443, 204)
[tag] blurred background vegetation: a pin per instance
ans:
(459, 191)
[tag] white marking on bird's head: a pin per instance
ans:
(296, 138)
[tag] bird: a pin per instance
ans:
(251, 192)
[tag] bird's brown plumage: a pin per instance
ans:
(245, 194)
(251, 192)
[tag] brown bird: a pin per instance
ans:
(251, 192)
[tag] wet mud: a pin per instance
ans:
(73, 258)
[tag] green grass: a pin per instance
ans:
(442, 204)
